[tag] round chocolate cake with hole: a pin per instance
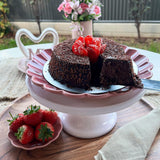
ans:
(83, 65)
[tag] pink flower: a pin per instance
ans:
(61, 7)
(68, 8)
(84, 6)
(97, 10)
(73, 9)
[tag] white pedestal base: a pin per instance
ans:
(88, 126)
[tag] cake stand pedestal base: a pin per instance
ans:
(88, 126)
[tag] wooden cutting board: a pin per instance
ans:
(67, 147)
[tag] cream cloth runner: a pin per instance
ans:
(132, 141)
(12, 82)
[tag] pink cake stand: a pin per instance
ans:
(85, 115)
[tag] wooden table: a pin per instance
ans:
(67, 147)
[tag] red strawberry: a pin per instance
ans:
(50, 116)
(103, 47)
(78, 49)
(44, 132)
(25, 134)
(97, 41)
(88, 40)
(89, 46)
(33, 115)
(79, 43)
(82, 39)
(82, 51)
(93, 52)
(75, 48)
(16, 122)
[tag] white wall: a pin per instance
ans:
(101, 29)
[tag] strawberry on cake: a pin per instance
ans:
(90, 61)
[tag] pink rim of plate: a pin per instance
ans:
(35, 144)
(35, 71)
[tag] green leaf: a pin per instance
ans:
(65, 18)
(1, 34)
(31, 109)
(1, 4)
(13, 118)
(45, 133)
(19, 133)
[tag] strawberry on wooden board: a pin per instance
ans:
(16, 122)
(33, 115)
(44, 132)
(25, 134)
(50, 116)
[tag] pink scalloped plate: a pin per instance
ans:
(35, 144)
(35, 71)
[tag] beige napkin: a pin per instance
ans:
(133, 141)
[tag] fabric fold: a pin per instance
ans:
(132, 141)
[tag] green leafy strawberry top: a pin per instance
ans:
(52, 110)
(31, 109)
(13, 118)
(45, 133)
(19, 133)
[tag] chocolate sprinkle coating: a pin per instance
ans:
(68, 68)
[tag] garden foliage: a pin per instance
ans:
(4, 23)
(137, 10)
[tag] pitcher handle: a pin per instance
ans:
(27, 33)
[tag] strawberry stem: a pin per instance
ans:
(52, 110)
(13, 118)
(11, 115)
(31, 109)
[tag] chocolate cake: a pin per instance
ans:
(113, 67)
(69, 68)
